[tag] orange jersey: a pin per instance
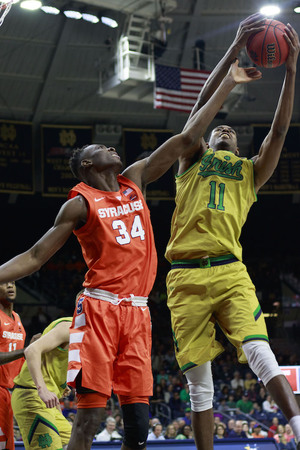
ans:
(12, 337)
(117, 240)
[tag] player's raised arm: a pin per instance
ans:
(271, 148)
(153, 167)
(57, 337)
(248, 26)
(72, 213)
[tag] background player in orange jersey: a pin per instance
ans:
(110, 336)
(12, 339)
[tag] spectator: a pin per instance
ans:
(231, 403)
(223, 407)
(219, 431)
(176, 405)
(259, 414)
(188, 416)
(273, 428)
(237, 431)
(288, 433)
(156, 433)
(230, 425)
(168, 393)
(119, 423)
(249, 380)
(109, 433)
(158, 397)
(269, 405)
(187, 432)
(184, 395)
(244, 405)
(237, 380)
(153, 422)
(67, 407)
(262, 394)
(252, 393)
(246, 429)
(256, 433)
(171, 432)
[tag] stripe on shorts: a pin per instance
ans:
(257, 313)
(80, 321)
(75, 338)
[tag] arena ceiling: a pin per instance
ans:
(52, 68)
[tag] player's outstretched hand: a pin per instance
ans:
(292, 39)
(250, 25)
(243, 75)
(49, 398)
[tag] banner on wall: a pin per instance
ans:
(286, 178)
(58, 141)
(292, 374)
(16, 157)
(141, 143)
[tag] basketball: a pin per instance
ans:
(268, 48)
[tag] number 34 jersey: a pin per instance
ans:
(213, 198)
(117, 240)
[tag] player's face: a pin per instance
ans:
(8, 291)
(102, 156)
(223, 137)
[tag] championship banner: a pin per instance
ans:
(58, 142)
(141, 143)
(16, 157)
(286, 178)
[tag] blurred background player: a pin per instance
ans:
(40, 385)
(12, 340)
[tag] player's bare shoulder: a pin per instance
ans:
(75, 211)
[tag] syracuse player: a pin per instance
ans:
(12, 339)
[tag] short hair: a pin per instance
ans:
(110, 419)
(75, 161)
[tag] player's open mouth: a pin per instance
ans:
(225, 135)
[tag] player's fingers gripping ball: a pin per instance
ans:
(268, 48)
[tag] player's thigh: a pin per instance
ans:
(36, 422)
(190, 306)
(239, 313)
(64, 427)
(132, 369)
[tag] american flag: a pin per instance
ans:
(177, 88)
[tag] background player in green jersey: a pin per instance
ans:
(40, 385)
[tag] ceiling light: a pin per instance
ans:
(90, 18)
(297, 8)
(32, 5)
(50, 10)
(73, 14)
(109, 22)
(270, 10)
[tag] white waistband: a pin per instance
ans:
(107, 296)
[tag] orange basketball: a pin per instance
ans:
(268, 48)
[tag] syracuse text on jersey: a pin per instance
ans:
(121, 210)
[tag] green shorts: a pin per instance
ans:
(41, 427)
(199, 297)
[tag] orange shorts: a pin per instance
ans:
(111, 344)
(6, 420)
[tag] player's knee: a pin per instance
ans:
(201, 387)
(136, 424)
(261, 360)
